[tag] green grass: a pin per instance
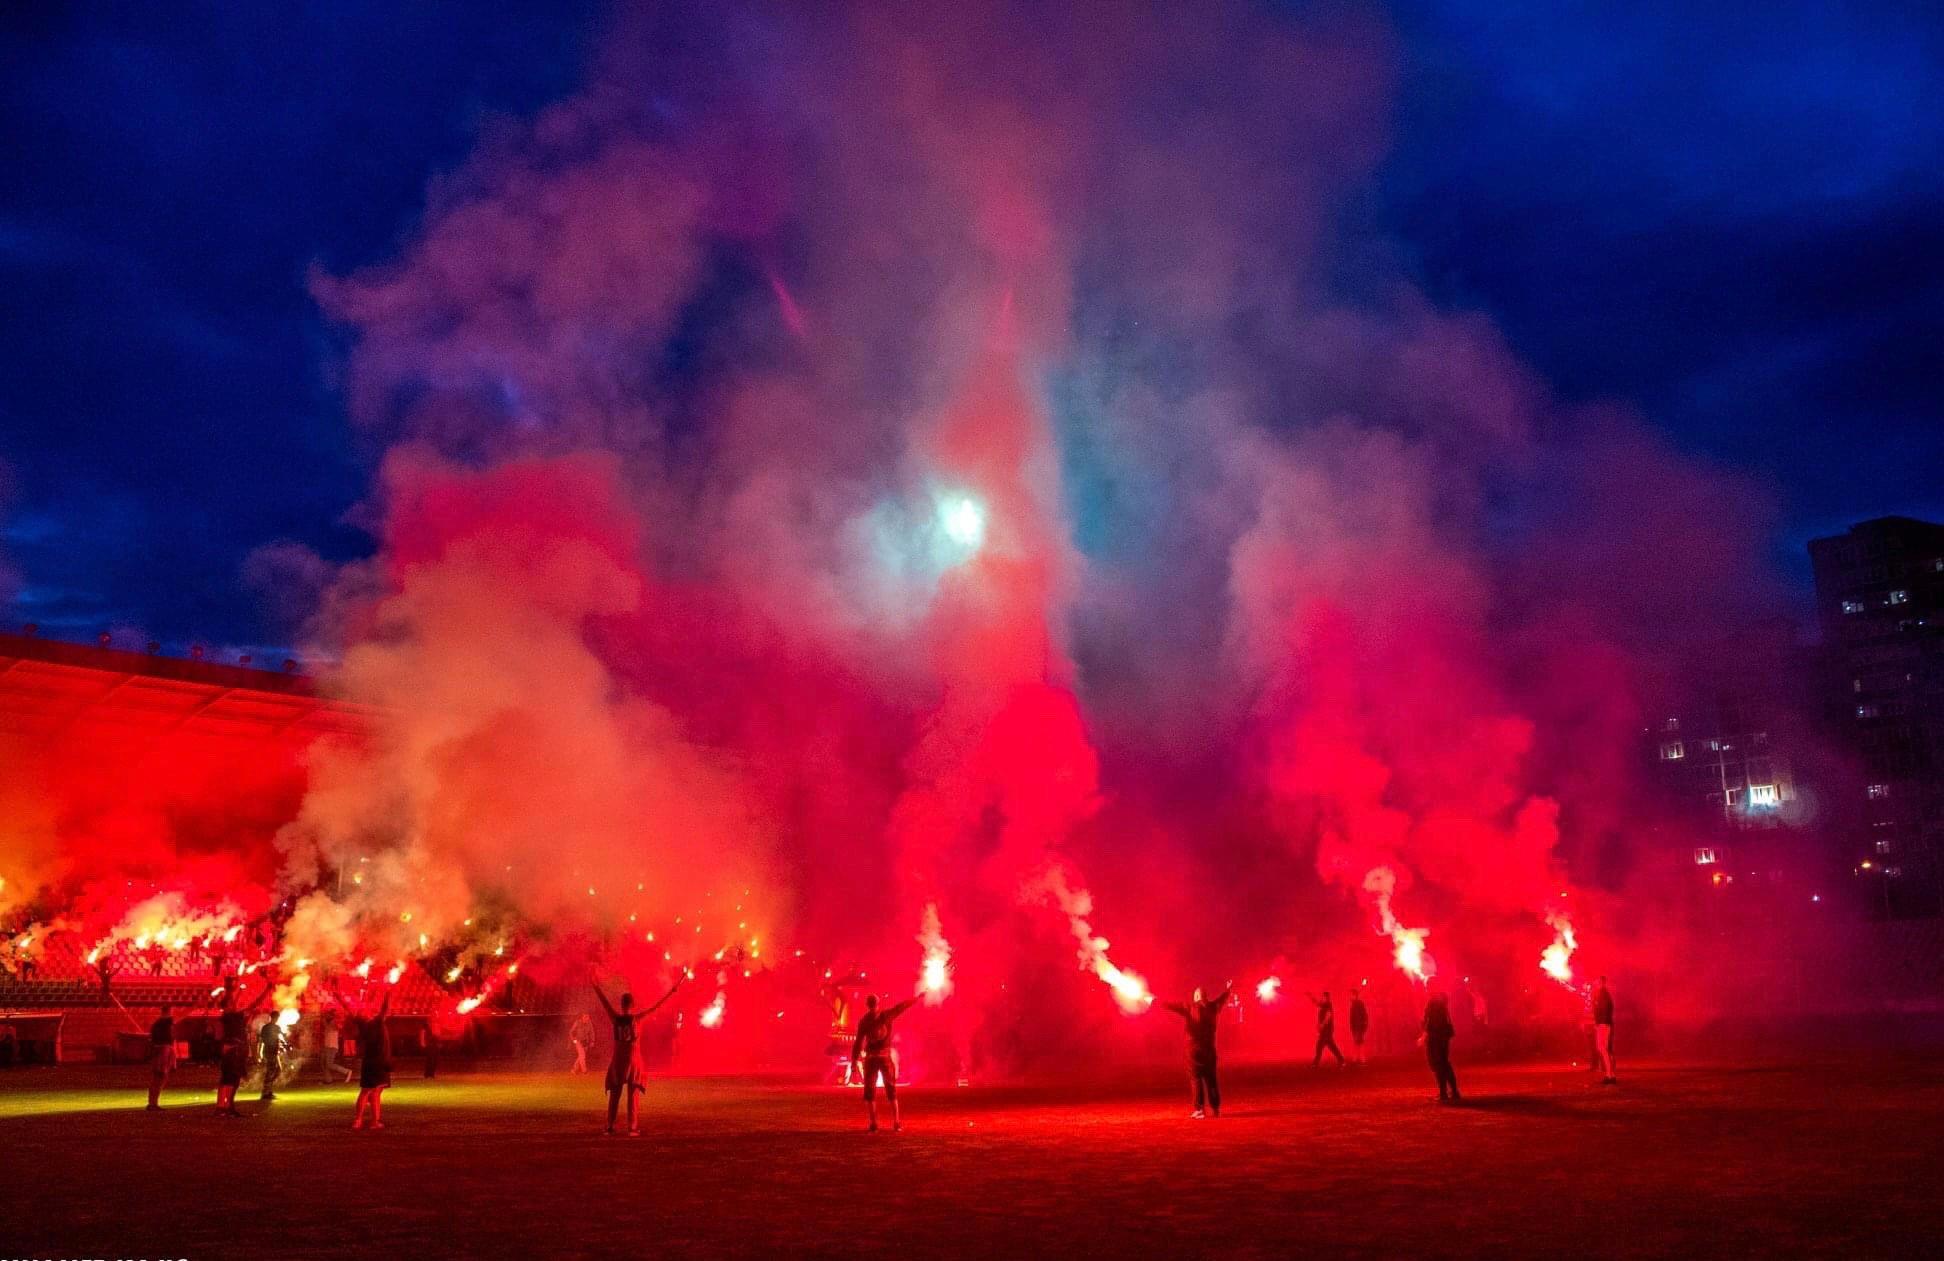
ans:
(1679, 1161)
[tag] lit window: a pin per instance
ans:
(1672, 751)
(1704, 857)
(1672, 724)
(1866, 711)
(1714, 746)
(1852, 606)
(1883, 847)
(1900, 596)
(1893, 872)
(1879, 790)
(1764, 795)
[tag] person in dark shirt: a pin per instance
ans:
(1359, 1027)
(1325, 1029)
(871, 1049)
(625, 1073)
(374, 1063)
(1199, 1016)
(234, 1049)
(1603, 1032)
(1436, 1040)
(162, 1056)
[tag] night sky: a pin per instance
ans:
(1731, 220)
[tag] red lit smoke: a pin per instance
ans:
(683, 379)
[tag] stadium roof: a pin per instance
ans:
(49, 688)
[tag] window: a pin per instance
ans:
(1884, 847)
(1672, 751)
(1866, 711)
(1704, 857)
(1714, 746)
(1900, 596)
(1879, 791)
(1893, 872)
(1672, 724)
(1852, 606)
(1734, 796)
(1763, 795)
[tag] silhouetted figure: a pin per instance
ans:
(374, 1064)
(162, 1056)
(625, 1073)
(1325, 1029)
(871, 1049)
(233, 1047)
(1359, 1027)
(580, 1035)
(1438, 1032)
(270, 1048)
(1603, 1032)
(1200, 1015)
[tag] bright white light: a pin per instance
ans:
(963, 519)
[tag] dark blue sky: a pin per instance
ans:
(1731, 219)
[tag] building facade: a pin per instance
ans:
(1880, 602)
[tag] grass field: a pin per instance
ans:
(1680, 1160)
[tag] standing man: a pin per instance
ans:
(1603, 1032)
(871, 1049)
(1436, 1040)
(1359, 1026)
(1325, 1029)
(270, 1049)
(1199, 1015)
(234, 1049)
(581, 1034)
(161, 1056)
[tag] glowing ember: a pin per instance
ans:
(1268, 989)
(363, 969)
(397, 970)
(935, 976)
(712, 1014)
(468, 1005)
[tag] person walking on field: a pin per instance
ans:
(580, 1034)
(1603, 1032)
(1199, 1016)
(1436, 1040)
(871, 1051)
(330, 1037)
(1325, 1029)
(1359, 1027)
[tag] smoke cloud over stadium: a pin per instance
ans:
(964, 490)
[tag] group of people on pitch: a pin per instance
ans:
(1435, 1033)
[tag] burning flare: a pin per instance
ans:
(1268, 989)
(1408, 951)
(1556, 960)
(711, 1015)
(935, 977)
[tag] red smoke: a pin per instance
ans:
(1272, 587)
